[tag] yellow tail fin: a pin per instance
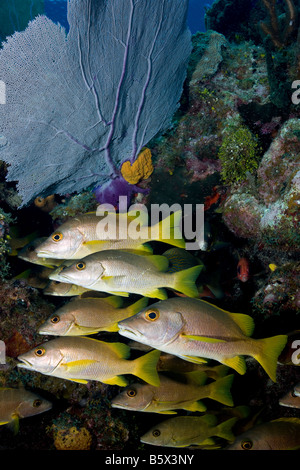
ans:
(145, 368)
(270, 351)
(185, 281)
(224, 429)
(220, 390)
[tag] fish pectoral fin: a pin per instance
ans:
(106, 278)
(195, 359)
(205, 339)
(14, 424)
(86, 330)
(167, 412)
(3, 422)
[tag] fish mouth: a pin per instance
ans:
(24, 364)
(44, 254)
(130, 332)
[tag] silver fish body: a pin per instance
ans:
(122, 272)
(196, 330)
(81, 359)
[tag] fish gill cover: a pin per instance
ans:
(80, 104)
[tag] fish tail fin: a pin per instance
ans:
(169, 230)
(220, 390)
(185, 281)
(270, 349)
(145, 367)
(224, 429)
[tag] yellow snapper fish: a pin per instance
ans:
(292, 398)
(81, 359)
(86, 316)
(184, 431)
(20, 403)
(279, 434)
(182, 392)
(196, 330)
(63, 289)
(28, 253)
(81, 235)
(120, 272)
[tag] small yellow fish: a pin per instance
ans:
(279, 434)
(86, 316)
(183, 431)
(121, 272)
(181, 392)
(20, 403)
(80, 359)
(83, 235)
(196, 330)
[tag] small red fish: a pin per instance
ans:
(243, 270)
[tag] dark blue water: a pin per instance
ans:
(57, 11)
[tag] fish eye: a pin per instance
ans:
(81, 265)
(55, 319)
(37, 403)
(246, 445)
(131, 393)
(31, 248)
(40, 352)
(56, 237)
(152, 314)
(156, 433)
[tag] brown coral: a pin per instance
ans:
(273, 30)
(73, 439)
(140, 169)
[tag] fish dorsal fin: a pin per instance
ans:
(209, 420)
(114, 300)
(245, 322)
(196, 377)
(120, 349)
(160, 262)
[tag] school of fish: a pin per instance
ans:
(188, 350)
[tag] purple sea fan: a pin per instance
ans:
(79, 105)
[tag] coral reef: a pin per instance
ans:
(239, 154)
(267, 210)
